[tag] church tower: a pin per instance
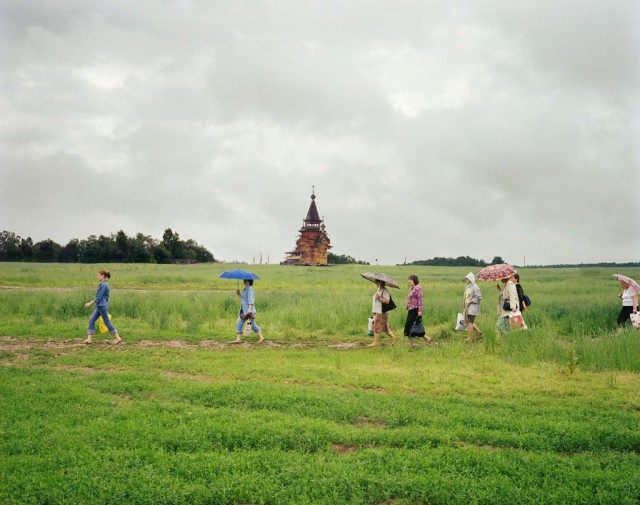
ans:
(313, 244)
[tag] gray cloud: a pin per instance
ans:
(428, 128)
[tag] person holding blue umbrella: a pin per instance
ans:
(247, 311)
(247, 303)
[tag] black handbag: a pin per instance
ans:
(386, 307)
(506, 305)
(417, 329)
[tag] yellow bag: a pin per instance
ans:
(101, 326)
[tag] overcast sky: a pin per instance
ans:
(429, 128)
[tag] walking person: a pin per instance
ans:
(380, 318)
(101, 302)
(414, 308)
(507, 303)
(472, 298)
(247, 311)
(520, 291)
(629, 297)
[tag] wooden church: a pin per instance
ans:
(313, 244)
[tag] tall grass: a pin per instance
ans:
(573, 310)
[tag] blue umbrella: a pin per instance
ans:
(238, 274)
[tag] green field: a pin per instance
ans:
(177, 414)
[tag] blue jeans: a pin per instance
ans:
(104, 312)
(240, 324)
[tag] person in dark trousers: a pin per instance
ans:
(520, 291)
(629, 298)
(414, 307)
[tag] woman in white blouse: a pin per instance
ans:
(380, 318)
(629, 297)
(507, 303)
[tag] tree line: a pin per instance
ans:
(115, 248)
(466, 261)
(460, 261)
(343, 259)
(608, 264)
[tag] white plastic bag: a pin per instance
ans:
(370, 327)
(460, 324)
(635, 320)
(516, 320)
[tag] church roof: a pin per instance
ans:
(313, 217)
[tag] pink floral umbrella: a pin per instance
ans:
(628, 280)
(496, 272)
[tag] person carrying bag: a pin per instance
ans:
(382, 304)
(413, 327)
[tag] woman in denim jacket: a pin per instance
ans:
(101, 302)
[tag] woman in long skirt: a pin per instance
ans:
(414, 308)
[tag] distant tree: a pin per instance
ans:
(497, 260)
(26, 249)
(460, 261)
(180, 249)
(121, 247)
(10, 246)
(173, 243)
(195, 251)
(203, 255)
(161, 254)
(89, 250)
(70, 253)
(343, 259)
(141, 249)
(46, 251)
(107, 248)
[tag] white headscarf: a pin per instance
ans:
(471, 277)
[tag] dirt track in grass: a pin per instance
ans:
(26, 344)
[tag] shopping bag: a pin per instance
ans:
(370, 327)
(460, 324)
(102, 328)
(516, 320)
(635, 320)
